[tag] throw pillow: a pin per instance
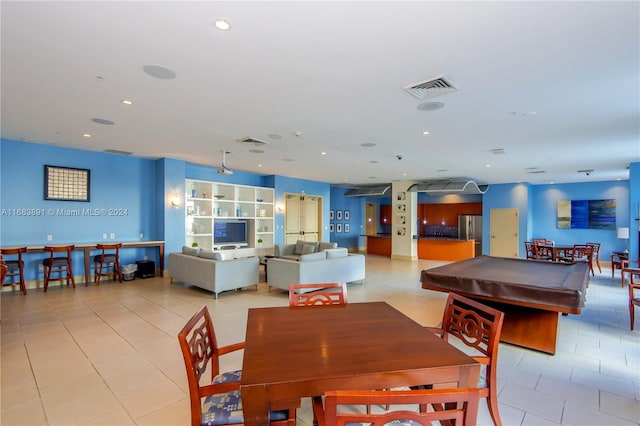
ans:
(209, 254)
(308, 249)
(299, 246)
(191, 251)
(326, 246)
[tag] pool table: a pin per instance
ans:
(531, 293)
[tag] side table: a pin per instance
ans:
(263, 262)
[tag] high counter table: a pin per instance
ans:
(531, 293)
(87, 247)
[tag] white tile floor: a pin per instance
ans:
(108, 355)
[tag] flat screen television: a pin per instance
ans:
(230, 233)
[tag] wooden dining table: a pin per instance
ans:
(296, 352)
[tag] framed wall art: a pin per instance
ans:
(338, 215)
(66, 183)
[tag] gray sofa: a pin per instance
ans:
(332, 265)
(207, 270)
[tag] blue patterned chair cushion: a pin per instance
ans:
(391, 423)
(231, 376)
(226, 408)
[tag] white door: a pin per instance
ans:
(504, 232)
(309, 218)
(301, 218)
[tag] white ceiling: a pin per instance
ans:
(554, 84)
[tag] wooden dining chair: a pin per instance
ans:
(407, 407)
(542, 251)
(107, 264)
(595, 256)
(529, 249)
(627, 268)
(222, 404)
(634, 299)
(583, 253)
(317, 294)
(478, 327)
(60, 265)
(15, 267)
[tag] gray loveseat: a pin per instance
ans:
(207, 270)
(332, 265)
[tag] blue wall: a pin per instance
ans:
(356, 208)
(123, 185)
(545, 199)
(142, 188)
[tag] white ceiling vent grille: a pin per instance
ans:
(254, 141)
(431, 88)
(117, 152)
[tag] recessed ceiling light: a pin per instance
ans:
(426, 132)
(159, 71)
(87, 135)
(222, 24)
(430, 106)
(487, 165)
(323, 153)
(127, 101)
(259, 165)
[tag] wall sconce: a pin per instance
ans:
(280, 207)
(175, 201)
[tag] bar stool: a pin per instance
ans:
(110, 261)
(15, 268)
(58, 265)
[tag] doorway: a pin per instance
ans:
(371, 218)
(301, 218)
(504, 232)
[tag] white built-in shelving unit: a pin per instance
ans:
(208, 202)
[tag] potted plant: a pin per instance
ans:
(259, 242)
(194, 244)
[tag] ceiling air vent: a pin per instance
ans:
(431, 88)
(254, 141)
(117, 151)
(369, 191)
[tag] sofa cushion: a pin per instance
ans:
(209, 254)
(322, 246)
(308, 248)
(313, 257)
(299, 247)
(337, 252)
(191, 251)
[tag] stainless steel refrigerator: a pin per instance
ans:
(470, 228)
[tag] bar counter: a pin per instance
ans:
(429, 248)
